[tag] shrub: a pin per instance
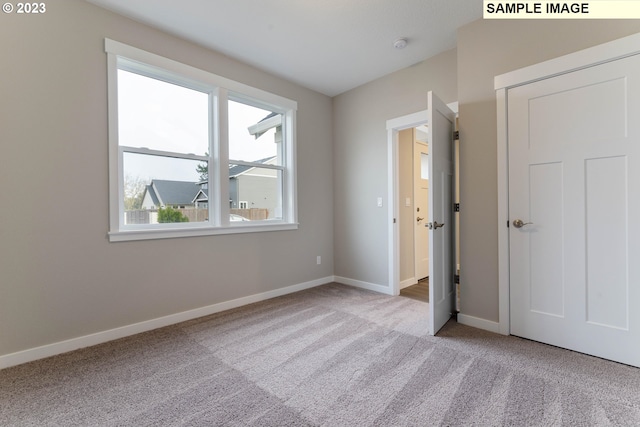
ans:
(169, 214)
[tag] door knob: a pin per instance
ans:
(419, 219)
(434, 225)
(518, 223)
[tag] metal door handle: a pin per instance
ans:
(419, 219)
(518, 223)
(434, 225)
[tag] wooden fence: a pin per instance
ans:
(253, 214)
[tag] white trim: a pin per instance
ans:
(53, 349)
(408, 282)
(585, 58)
(393, 188)
(290, 187)
(243, 227)
(607, 52)
(154, 60)
(394, 126)
(116, 180)
(364, 285)
(476, 322)
(220, 187)
(409, 121)
(503, 214)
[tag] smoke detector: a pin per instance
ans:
(400, 43)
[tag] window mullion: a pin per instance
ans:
(222, 162)
(212, 164)
(289, 203)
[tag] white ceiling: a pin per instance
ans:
(330, 46)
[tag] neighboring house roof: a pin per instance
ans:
(270, 121)
(237, 170)
(152, 194)
(164, 192)
(201, 196)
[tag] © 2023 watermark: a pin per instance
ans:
(25, 8)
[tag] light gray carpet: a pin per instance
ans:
(329, 356)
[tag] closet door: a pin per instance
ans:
(574, 210)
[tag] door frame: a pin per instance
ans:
(607, 52)
(394, 126)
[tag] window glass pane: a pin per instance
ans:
(424, 166)
(161, 116)
(163, 189)
(255, 193)
(255, 134)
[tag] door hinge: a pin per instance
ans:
(456, 207)
(456, 279)
(456, 134)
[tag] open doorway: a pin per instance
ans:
(406, 219)
(413, 213)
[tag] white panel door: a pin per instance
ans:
(574, 185)
(421, 197)
(441, 260)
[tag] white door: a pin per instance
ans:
(574, 182)
(441, 122)
(421, 197)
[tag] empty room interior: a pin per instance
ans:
(212, 211)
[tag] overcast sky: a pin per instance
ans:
(162, 116)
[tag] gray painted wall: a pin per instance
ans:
(60, 278)
(360, 161)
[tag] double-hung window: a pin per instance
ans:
(192, 153)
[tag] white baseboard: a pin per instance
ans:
(476, 322)
(364, 285)
(409, 282)
(48, 350)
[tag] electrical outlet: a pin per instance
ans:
(319, 260)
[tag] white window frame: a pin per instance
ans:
(122, 56)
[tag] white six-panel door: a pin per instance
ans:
(574, 176)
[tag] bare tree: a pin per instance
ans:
(133, 192)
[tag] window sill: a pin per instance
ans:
(130, 235)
